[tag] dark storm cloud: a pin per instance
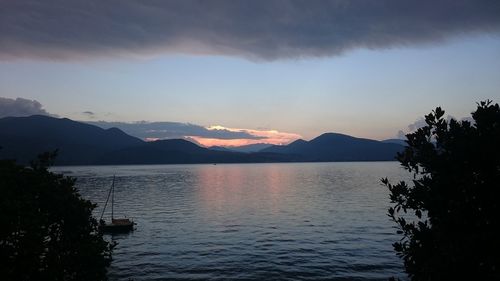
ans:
(21, 107)
(62, 29)
(171, 130)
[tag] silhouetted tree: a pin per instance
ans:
(47, 231)
(449, 216)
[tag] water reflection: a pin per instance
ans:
(250, 221)
(242, 188)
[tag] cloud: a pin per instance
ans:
(401, 135)
(419, 123)
(89, 114)
(170, 130)
(468, 119)
(265, 30)
(261, 136)
(208, 136)
(21, 107)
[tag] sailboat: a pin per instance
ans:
(120, 225)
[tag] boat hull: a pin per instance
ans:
(122, 227)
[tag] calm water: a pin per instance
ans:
(308, 221)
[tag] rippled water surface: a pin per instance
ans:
(308, 221)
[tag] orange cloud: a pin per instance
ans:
(266, 136)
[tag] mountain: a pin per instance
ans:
(220, 148)
(168, 151)
(292, 148)
(249, 148)
(25, 137)
(179, 151)
(396, 141)
(338, 147)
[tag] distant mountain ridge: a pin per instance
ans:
(396, 141)
(338, 147)
(249, 148)
(22, 138)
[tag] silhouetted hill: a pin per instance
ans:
(78, 143)
(178, 151)
(22, 138)
(177, 145)
(160, 152)
(338, 147)
(396, 141)
(292, 148)
(220, 148)
(249, 148)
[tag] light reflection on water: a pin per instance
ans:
(304, 221)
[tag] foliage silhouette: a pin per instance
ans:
(449, 216)
(47, 231)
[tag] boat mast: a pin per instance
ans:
(111, 190)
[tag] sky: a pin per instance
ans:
(242, 72)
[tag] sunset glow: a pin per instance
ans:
(262, 136)
(255, 140)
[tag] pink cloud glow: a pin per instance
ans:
(267, 136)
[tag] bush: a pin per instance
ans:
(47, 231)
(449, 216)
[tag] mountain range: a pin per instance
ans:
(249, 148)
(338, 147)
(23, 138)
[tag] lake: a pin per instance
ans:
(288, 221)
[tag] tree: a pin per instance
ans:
(449, 216)
(47, 231)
